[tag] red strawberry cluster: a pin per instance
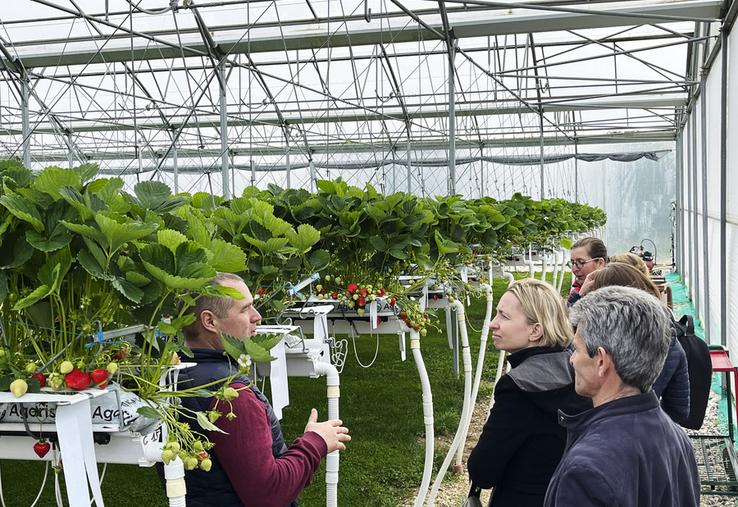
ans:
(352, 295)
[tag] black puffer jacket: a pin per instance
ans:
(208, 489)
(522, 443)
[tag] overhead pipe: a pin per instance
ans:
(427, 418)
(333, 383)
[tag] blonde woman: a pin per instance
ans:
(522, 443)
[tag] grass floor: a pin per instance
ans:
(381, 405)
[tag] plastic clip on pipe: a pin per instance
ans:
(333, 383)
(427, 418)
(176, 490)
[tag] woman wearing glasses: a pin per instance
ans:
(587, 255)
(522, 443)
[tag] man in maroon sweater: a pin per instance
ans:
(251, 464)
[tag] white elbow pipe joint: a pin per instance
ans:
(175, 484)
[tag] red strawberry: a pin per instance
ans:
(78, 380)
(202, 455)
(361, 301)
(351, 288)
(334, 294)
(393, 301)
(261, 291)
(380, 292)
(364, 292)
(41, 448)
(41, 379)
(100, 377)
(435, 297)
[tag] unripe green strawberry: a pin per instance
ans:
(174, 447)
(2, 353)
(31, 368)
(360, 312)
(213, 415)
(19, 387)
(230, 394)
(167, 456)
(197, 446)
(112, 368)
(190, 463)
(206, 464)
(55, 381)
(66, 367)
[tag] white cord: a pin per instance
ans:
(2, 498)
(40, 491)
(356, 355)
(43, 485)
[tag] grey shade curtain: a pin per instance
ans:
(433, 162)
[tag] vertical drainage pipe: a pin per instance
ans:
(466, 406)
(529, 262)
(555, 277)
(176, 490)
(333, 384)
(544, 264)
(427, 417)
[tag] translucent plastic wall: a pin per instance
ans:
(700, 195)
(637, 197)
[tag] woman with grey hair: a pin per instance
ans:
(522, 442)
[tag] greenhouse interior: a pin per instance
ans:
(377, 174)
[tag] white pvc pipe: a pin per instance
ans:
(529, 262)
(176, 490)
(427, 418)
(480, 367)
(466, 406)
(333, 383)
(544, 265)
(557, 268)
(562, 271)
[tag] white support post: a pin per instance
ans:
(176, 167)
(451, 120)
(289, 169)
(70, 150)
(26, 124)
(224, 162)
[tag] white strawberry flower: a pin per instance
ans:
(244, 360)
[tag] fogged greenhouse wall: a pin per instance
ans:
(637, 197)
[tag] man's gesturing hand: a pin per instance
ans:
(334, 434)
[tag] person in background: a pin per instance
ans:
(633, 260)
(625, 451)
(672, 384)
(521, 442)
(251, 465)
(587, 255)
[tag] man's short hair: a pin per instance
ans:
(595, 247)
(631, 325)
(218, 305)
